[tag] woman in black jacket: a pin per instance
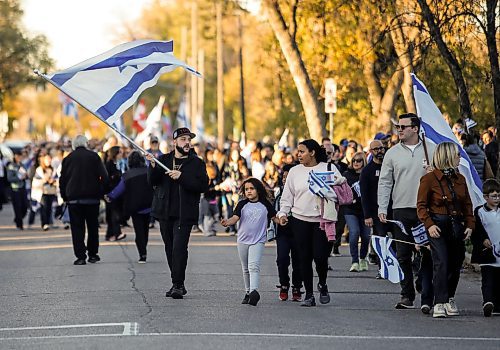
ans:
(354, 216)
(138, 195)
(114, 209)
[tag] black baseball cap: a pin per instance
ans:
(181, 132)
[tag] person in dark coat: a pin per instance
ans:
(82, 184)
(138, 196)
(176, 202)
(114, 208)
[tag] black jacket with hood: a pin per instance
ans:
(192, 182)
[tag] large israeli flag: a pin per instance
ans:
(389, 266)
(437, 131)
(110, 83)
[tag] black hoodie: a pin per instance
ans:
(192, 182)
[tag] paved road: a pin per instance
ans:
(48, 303)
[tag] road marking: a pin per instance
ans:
(11, 248)
(129, 328)
(271, 335)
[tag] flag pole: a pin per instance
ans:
(422, 134)
(144, 152)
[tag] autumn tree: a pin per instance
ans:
(20, 53)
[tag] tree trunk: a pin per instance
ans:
(450, 59)
(491, 32)
(314, 117)
(401, 45)
(382, 102)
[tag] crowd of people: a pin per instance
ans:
(256, 189)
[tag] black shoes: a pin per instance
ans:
(324, 296)
(94, 258)
(246, 299)
(79, 262)
(142, 259)
(176, 292)
(253, 297)
(405, 303)
(488, 309)
(308, 302)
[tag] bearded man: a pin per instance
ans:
(176, 203)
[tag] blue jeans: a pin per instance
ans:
(357, 229)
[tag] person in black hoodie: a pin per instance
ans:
(176, 202)
(354, 216)
(82, 184)
(114, 209)
(138, 196)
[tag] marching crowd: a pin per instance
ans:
(260, 192)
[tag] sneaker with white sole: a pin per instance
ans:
(363, 265)
(451, 307)
(426, 309)
(488, 309)
(439, 311)
(354, 267)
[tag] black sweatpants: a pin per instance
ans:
(286, 247)
(176, 238)
(20, 204)
(448, 254)
(404, 251)
(490, 285)
(79, 215)
(141, 228)
(113, 218)
(312, 244)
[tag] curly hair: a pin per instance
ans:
(261, 190)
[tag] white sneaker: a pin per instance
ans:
(439, 311)
(451, 308)
(354, 267)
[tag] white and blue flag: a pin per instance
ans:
(69, 107)
(110, 83)
(389, 265)
(318, 185)
(437, 131)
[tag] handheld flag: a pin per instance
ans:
(389, 265)
(319, 187)
(140, 116)
(420, 234)
(437, 131)
(69, 107)
(110, 83)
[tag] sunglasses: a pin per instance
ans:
(357, 160)
(377, 149)
(402, 127)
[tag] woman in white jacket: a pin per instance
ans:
(300, 207)
(44, 189)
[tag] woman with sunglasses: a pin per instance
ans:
(354, 216)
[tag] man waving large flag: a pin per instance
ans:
(110, 83)
(437, 130)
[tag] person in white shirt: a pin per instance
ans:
(299, 206)
(486, 246)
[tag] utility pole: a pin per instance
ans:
(242, 81)
(220, 77)
(194, 59)
(201, 89)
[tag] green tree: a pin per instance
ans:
(20, 53)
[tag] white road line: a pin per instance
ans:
(271, 335)
(126, 325)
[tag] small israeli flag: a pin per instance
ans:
(420, 234)
(389, 265)
(318, 187)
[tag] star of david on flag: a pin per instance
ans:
(389, 265)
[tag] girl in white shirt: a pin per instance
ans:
(300, 207)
